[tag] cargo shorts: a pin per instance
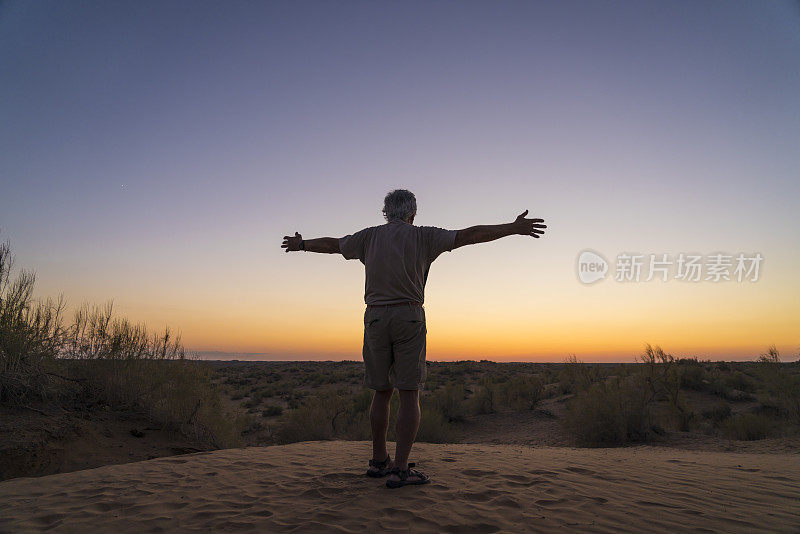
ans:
(394, 347)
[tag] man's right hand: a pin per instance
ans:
(533, 227)
(292, 243)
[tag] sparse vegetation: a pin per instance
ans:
(101, 360)
(611, 412)
(747, 426)
(597, 404)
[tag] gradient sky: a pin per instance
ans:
(156, 153)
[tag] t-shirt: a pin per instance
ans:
(397, 257)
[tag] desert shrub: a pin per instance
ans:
(771, 356)
(328, 415)
(256, 397)
(611, 413)
(434, 427)
(31, 335)
(693, 377)
(740, 381)
(770, 408)
(663, 378)
(574, 376)
(522, 392)
(780, 383)
(271, 410)
(102, 359)
(484, 400)
(747, 426)
(176, 394)
(449, 401)
(718, 413)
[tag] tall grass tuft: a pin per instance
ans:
(102, 359)
(31, 334)
(123, 365)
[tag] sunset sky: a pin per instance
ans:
(155, 153)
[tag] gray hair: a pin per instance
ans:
(399, 204)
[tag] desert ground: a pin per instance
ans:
(662, 445)
(321, 487)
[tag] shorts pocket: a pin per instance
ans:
(415, 314)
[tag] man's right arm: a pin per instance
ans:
(490, 232)
(325, 245)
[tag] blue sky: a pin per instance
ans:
(156, 152)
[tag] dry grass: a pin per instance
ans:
(101, 359)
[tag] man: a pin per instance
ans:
(397, 257)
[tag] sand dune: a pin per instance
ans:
(320, 487)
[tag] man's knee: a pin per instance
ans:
(409, 396)
(382, 394)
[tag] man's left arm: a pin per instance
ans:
(324, 245)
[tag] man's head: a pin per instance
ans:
(400, 204)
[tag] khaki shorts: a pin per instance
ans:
(394, 347)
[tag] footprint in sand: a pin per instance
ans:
(478, 472)
(580, 470)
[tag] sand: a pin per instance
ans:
(320, 487)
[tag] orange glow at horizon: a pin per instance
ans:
(502, 328)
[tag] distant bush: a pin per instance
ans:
(718, 413)
(663, 378)
(434, 427)
(484, 400)
(740, 381)
(521, 392)
(693, 377)
(272, 410)
(780, 383)
(748, 427)
(611, 413)
(449, 401)
(575, 375)
(328, 415)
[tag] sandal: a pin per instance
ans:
(382, 468)
(422, 478)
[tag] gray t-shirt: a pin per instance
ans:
(397, 257)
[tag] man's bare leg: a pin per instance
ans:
(407, 426)
(379, 421)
